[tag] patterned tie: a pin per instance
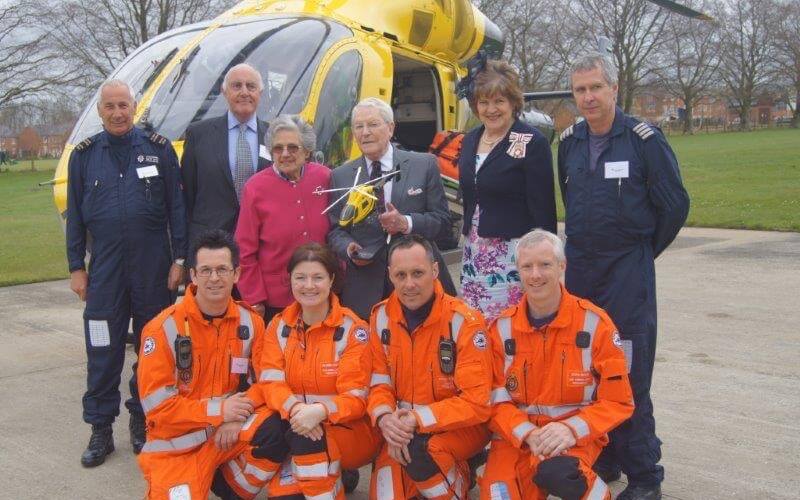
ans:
(374, 174)
(244, 161)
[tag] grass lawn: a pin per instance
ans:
(741, 180)
(31, 238)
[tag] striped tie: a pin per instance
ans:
(244, 161)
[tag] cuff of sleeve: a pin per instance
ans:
(520, 432)
(214, 412)
(286, 408)
(74, 266)
(410, 224)
(380, 411)
(425, 418)
(579, 427)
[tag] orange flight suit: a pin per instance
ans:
(450, 408)
(183, 407)
(328, 363)
(572, 370)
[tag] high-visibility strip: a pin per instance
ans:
(455, 325)
(171, 332)
(214, 407)
(180, 443)
(359, 393)
(426, 415)
(260, 474)
(246, 320)
(242, 481)
(340, 344)
(504, 329)
(281, 339)
(334, 468)
(272, 375)
(590, 321)
(380, 378)
(599, 490)
(579, 425)
(437, 490)
(550, 411)
(522, 430)
(381, 410)
(385, 486)
(500, 395)
(290, 401)
(326, 401)
(382, 323)
(249, 421)
(499, 491)
(328, 495)
(157, 397)
(310, 471)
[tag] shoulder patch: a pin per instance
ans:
(83, 144)
(148, 346)
(566, 133)
(643, 130)
(361, 334)
(616, 339)
(479, 339)
(157, 139)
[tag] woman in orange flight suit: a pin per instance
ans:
(314, 370)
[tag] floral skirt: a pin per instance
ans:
(489, 277)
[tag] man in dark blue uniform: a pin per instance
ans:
(625, 203)
(124, 197)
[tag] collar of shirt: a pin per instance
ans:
(284, 177)
(233, 122)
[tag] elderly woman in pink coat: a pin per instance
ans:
(280, 210)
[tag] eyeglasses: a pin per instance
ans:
(371, 126)
(278, 149)
(206, 272)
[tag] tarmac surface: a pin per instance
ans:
(726, 385)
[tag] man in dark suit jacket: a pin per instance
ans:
(216, 161)
(414, 203)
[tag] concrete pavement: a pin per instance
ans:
(725, 388)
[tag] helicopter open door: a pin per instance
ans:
(417, 103)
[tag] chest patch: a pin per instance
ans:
(361, 334)
(330, 369)
(580, 378)
(479, 340)
(149, 346)
(512, 383)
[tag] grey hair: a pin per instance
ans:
(115, 83)
(538, 236)
(240, 66)
(373, 102)
(292, 123)
(592, 60)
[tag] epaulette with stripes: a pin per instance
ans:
(643, 130)
(157, 139)
(566, 133)
(83, 144)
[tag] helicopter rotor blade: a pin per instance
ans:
(682, 10)
(550, 94)
(345, 195)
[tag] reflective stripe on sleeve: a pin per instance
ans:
(550, 411)
(272, 375)
(598, 491)
(455, 325)
(380, 378)
(310, 471)
(290, 401)
(246, 320)
(579, 425)
(359, 393)
(504, 329)
(522, 430)
(326, 401)
(437, 490)
(500, 395)
(381, 410)
(214, 407)
(426, 415)
(180, 443)
(157, 397)
(260, 474)
(238, 476)
(340, 345)
(249, 421)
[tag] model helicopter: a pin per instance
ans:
(318, 59)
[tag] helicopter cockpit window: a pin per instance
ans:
(337, 99)
(138, 70)
(286, 51)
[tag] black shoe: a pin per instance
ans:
(640, 493)
(350, 480)
(609, 477)
(137, 427)
(101, 443)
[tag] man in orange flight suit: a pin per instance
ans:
(202, 431)
(560, 384)
(431, 381)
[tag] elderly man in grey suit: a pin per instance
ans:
(222, 153)
(413, 201)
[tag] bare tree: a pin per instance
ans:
(746, 48)
(26, 67)
(690, 64)
(786, 56)
(636, 29)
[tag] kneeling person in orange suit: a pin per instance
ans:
(314, 373)
(431, 381)
(560, 384)
(203, 432)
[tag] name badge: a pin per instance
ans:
(616, 170)
(262, 152)
(148, 171)
(238, 365)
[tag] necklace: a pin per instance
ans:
(491, 143)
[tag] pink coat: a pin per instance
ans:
(276, 217)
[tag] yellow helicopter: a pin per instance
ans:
(318, 58)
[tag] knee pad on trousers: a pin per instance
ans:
(421, 466)
(269, 440)
(221, 488)
(561, 476)
(301, 445)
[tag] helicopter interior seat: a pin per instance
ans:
(415, 101)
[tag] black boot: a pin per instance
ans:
(137, 427)
(641, 493)
(350, 480)
(101, 443)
